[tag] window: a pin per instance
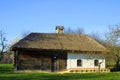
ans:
(96, 62)
(79, 62)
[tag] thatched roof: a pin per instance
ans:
(52, 41)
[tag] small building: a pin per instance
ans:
(57, 52)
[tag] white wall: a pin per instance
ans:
(87, 60)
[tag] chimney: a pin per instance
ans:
(59, 29)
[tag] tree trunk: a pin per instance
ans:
(1, 56)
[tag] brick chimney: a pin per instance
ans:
(59, 29)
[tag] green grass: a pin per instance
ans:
(6, 67)
(9, 75)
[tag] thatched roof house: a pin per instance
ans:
(53, 52)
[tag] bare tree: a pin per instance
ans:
(69, 31)
(113, 44)
(97, 36)
(2, 44)
(25, 33)
(74, 31)
(79, 31)
(14, 41)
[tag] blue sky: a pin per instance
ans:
(18, 16)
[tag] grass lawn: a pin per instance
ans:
(6, 73)
(6, 67)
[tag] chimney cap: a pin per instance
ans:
(59, 27)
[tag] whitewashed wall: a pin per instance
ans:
(87, 60)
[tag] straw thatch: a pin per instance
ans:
(52, 41)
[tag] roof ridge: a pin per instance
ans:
(57, 33)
